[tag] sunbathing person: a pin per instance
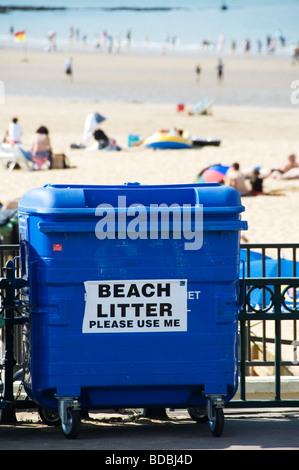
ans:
(285, 168)
(41, 152)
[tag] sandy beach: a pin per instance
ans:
(253, 132)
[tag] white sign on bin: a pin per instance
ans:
(135, 306)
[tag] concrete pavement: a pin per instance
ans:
(254, 430)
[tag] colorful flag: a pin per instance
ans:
(20, 36)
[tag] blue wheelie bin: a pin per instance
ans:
(130, 298)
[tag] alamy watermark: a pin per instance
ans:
(295, 94)
(151, 222)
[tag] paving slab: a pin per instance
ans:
(122, 432)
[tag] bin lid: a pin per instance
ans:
(83, 199)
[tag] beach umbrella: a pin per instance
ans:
(99, 118)
(213, 174)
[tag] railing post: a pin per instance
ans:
(242, 360)
(8, 414)
(277, 311)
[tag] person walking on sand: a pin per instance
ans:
(69, 69)
(220, 70)
(197, 72)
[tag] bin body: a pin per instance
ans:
(117, 316)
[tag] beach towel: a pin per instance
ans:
(112, 145)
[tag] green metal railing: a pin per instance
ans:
(279, 303)
(10, 337)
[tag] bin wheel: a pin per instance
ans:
(71, 426)
(216, 421)
(49, 417)
(198, 414)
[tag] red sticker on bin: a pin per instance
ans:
(57, 247)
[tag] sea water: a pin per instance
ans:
(152, 24)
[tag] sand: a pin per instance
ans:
(153, 77)
(251, 135)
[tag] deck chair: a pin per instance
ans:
(203, 106)
(11, 155)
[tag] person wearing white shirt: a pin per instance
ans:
(14, 132)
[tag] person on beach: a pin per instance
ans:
(236, 179)
(101, 138)
(69, 69)
(13, 134)
(256, 183)
(290, 164)
(41, 151)
(197, 72)
(71, 34)
(129, 38)
(220, 70)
